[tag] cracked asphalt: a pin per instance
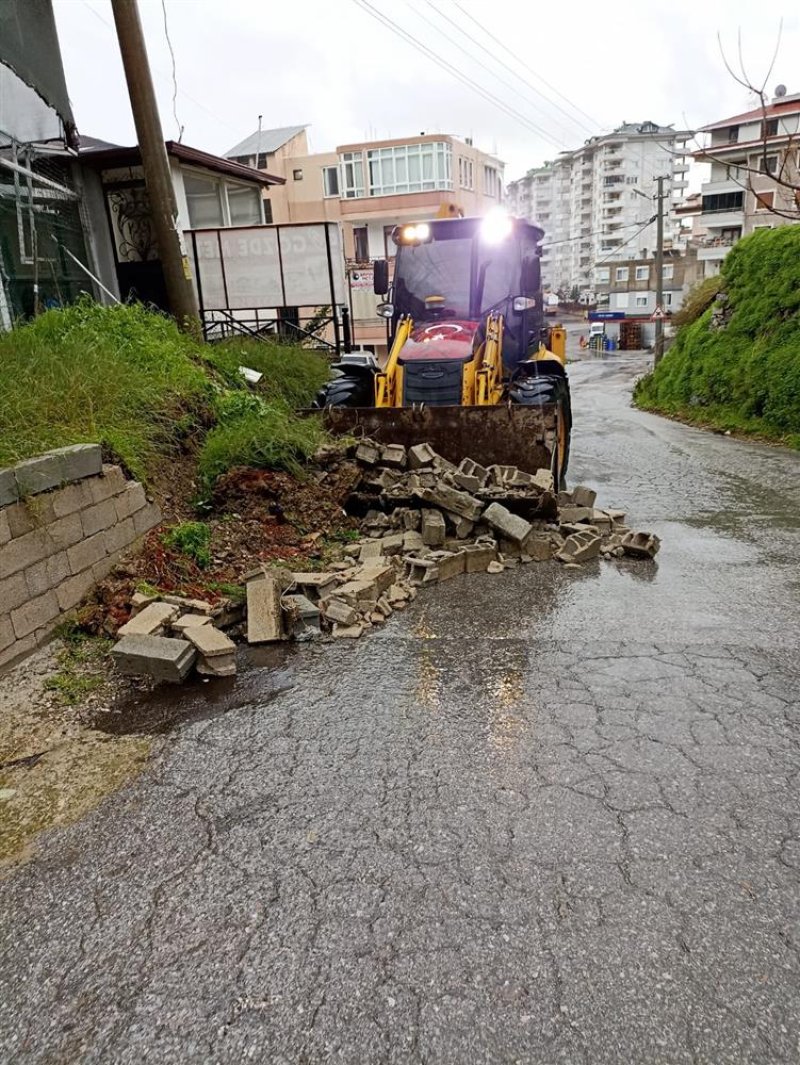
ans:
(548, 816)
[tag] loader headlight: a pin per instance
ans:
(496, 226)
(416, 233)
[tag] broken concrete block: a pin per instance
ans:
(421, 570)
(538, 547)
(565, 499)
(495, 567)
(338, 611)
(420, 456)
(315, 585)
(370, 549)
(392, 544)
(461, 526)
(398, 594)
(359, 591)
(394, 456)
(151, 621)
(209, 641)
(571, 515)
(468, 483)
(189, 621)
(544, 479)
(220, 666)
(510, 526)
(139, 601)
(264, 617)
(617, 516)
(351, 632)
(412, 541)
(453, 500)
(302, 616)
(367, 454)
(196, 606)
(412, 519)
(583, 496)
(641, 544)
(449, 563)
(154, 656)
(378, 573)
(477, 557)
(580, 547)
(433, 528)
(385, 607)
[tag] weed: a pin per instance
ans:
(236, 592)
(145, 588)
(291, 373)
(82, 662)
(190, 538)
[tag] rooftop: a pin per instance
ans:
(104, 154)
(265, 141)
(781, 105)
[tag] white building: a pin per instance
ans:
(593, 203)
(747, 153)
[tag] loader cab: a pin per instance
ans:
(450, 273)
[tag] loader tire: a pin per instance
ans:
(549, 390)
(348, 390)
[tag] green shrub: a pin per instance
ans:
(697, 301)
(747, 374)
(121, 376)
(291, 373)
(192, 539)
(270, 437)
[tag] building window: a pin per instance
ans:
(297, 174)
(621, 299)
(268, 212)
(768, 164)
(330, 181)
(352, 168)
(642, 273)
(621, 273)
(668, 271)
(389, 246)
(733, 135)
(261, 161)
(466, 178)
(244, 205)
(631, 181)
(602, 275)
(409, 168)
(203, 201)
(771, 127)
(361, 243)
(492, 186)
(765, 201)
(641, 301)
(668, 299)
(733, 170)
(722, 201)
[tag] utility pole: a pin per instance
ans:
(659, 341)
(163, 206)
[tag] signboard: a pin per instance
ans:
(606, 316)
(657, 314)
(253, 267)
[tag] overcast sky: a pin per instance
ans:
(586, 67)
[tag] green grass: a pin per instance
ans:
(746, 376)
(119, 376)
(291, 373)
(82, 662)
(192, 539)
(271, 436)
(126, 378)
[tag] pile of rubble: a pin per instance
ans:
(422, 520)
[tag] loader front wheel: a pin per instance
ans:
(349, 390)
(549, 390)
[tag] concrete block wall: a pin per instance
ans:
(65, 520)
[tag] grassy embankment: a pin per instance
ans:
(744, 377)
(128, 379)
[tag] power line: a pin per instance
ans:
(174, 74)
(481, 63)
(524, 64)
(633, 236)
(459, 75)
(519, 77)
(596, 233)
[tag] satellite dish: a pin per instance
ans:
(780, 90)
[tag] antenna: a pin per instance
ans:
(780, 90)
(258, 144)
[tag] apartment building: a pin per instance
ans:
(370, 187)
(630, 287)
(592, 202)
(750, 155)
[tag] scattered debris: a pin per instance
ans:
(420, 520)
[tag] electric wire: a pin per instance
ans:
(456, 73)
(174, 74)
(552, 103)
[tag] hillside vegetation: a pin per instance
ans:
(744, 375)
(126, 378)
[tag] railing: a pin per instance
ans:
(221, 324)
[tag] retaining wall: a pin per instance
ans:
(65, 520)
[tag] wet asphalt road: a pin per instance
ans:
(547, 816)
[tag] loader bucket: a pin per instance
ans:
(507, 435)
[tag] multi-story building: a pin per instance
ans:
(630, 287)
(371, 187)
(591, 202)
(755, 176)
